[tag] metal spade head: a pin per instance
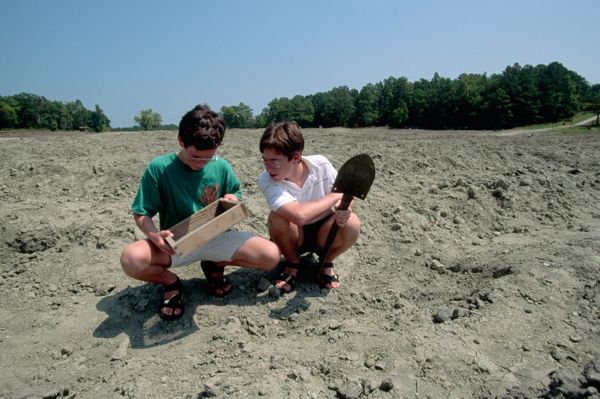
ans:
(355, 176)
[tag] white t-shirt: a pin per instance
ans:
(321, 175)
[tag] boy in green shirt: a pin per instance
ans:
(175, 186)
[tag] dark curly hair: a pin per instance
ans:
(202, 127)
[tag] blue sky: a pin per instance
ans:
(127, 55)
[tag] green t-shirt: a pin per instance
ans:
(175, 191)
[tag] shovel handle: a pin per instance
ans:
(344, 204)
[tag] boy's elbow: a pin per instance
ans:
(301, 219)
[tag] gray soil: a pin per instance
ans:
(476, 275)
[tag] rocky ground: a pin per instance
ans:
(476, 275)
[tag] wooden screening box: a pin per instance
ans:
(205, 225)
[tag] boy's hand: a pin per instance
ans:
(341, 217)
(231, 197)
(158, 239)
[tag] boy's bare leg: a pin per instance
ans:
(256, 253)
(141, 260)
(288, 237)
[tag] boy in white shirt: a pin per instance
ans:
(297, 189)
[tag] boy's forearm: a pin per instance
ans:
(309, 212)
(145, 223)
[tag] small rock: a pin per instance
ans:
(121, 352)
(437, 266)
(233, 325)
(460, 312)
(575, 338)
(458, 220)
(211, 387)
(262, 285)
(386, 385)
(591, 373)
(274, 291)
(335, 325)
(502, 271)
(471, 193)
(66, 351)
(443, 315)
(350, 390)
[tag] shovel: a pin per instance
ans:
(354, 179)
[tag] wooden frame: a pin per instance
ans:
(204, 225)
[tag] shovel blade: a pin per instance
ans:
(355, 177)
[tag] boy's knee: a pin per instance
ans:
(131, 261)
(272, 255)
(126, 260)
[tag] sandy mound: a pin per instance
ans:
(476, 275)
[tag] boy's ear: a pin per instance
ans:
(296, 157)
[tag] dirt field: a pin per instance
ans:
(476, 275)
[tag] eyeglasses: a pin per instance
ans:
(204, 159)
(214, 157)
(273, 163)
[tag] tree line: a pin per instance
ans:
(519, 96)
(30, 111)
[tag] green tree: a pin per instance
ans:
(338, 107)
(596, 108)
(367, 106)
(78, 115)
(301, 110)
(148, 119)
(100, 122)
(29, 110)
(8, 115)
(559, 93)
(469, 89)
(278, 110)
(238, 116)
(393, 92)
(399, 115)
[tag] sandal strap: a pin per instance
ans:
(215, 278)
(176, 286)
(209, 267)
(290, 265)
(217, 281)
(327, 279)
(327, 265)
(289, 279)
(173, 302)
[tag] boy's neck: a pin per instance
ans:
(299, 173)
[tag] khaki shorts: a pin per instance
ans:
(221, 248)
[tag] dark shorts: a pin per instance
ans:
(310, 237)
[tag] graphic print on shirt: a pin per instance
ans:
(209, 194)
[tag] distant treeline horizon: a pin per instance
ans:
(519, 96)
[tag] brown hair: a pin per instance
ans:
(202, 127)
(283, 137)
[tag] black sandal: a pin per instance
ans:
(289, 279)
(175, 302)
(326, 281)
(218, 285)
